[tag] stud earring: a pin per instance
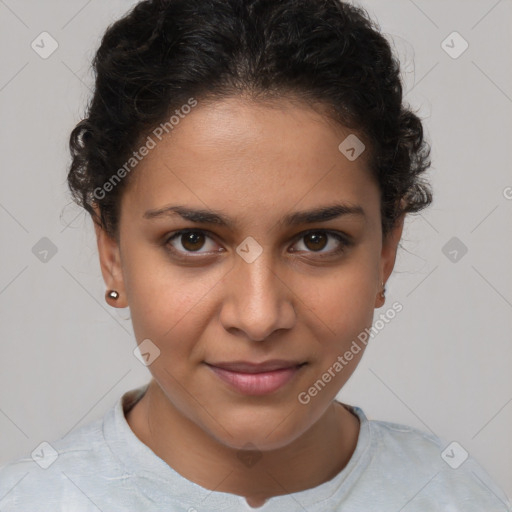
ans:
(112, 294)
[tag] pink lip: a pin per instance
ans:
(250, 367)
(256, 382)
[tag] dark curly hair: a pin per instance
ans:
(323, 52)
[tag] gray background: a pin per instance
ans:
(443, 364)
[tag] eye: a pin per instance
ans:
(328, 243)
(317, 241)
(191, 241)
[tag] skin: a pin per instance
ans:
(255, 163)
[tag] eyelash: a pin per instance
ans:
(345, 242)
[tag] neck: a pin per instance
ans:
(313, 458)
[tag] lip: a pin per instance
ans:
(256, 378)
(250, 367)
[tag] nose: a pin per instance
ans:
(257, 301)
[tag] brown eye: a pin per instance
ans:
(325, 243)
(188, 241)
(316, 241)
(192, 241)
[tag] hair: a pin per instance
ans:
(322, 52)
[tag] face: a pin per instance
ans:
(286, 262)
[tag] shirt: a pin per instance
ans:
(104, 466)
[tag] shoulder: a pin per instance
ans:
(56, 472)
(429, 470)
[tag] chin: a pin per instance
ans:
(264, 433)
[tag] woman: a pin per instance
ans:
(248, 165)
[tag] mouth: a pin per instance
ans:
(256, 378)
(253, 367)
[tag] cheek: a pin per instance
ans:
(344, 299)
(170, 302)
(166, 301)
(342, 308)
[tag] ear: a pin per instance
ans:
(388, 256)
(110, 263)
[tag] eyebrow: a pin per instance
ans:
(205, 216)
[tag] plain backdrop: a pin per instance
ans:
(442, 365)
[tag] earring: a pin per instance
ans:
(383, 292)
(111, 294)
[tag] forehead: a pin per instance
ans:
(251, 157)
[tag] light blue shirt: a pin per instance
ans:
(104, 467)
